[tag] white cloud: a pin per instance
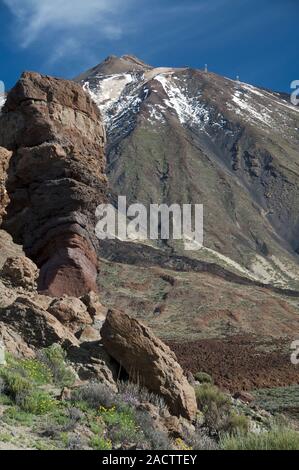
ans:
(71, 17)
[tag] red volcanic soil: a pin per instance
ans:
(239, 363)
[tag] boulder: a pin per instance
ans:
(37, 327)
(89, 335)
(92, 363)
(8, 249)
(94, 306)
(71, 312)
(243, 396)
(149, 362)
(20, 272)
(14, 343)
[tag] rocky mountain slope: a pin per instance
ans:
(188, 136)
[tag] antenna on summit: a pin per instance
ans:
(238, 80)
(206, 68)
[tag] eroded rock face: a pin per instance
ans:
(20, 272)
(34, 325)
(5, 156)
(71, 312)
(8, 249)
(148, 361)
(55, 179)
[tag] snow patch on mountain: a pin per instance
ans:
(189, 110)
(118, 97)
(108, 90)
(156, 113)
(251, 112)
(2, 102)
(269, 110)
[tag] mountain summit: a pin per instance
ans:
(179, 135)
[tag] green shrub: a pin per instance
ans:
(34, 370)
(151, 437)
(54, 358)
(21, 376)
(14, 383)
(5, 437)
(21, 379)
(276, 439)
(37, 402)
(215, 406)
(95, 395)
(15, 416)
(207, 394)
(203, 378)
(100, 443)
(237, 424)
(5, 400)
(122, 427)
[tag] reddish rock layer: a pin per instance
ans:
(55, 179)
(5, 156)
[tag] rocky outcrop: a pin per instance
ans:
(18, 274)
(8, 249)
(71, 312)
(55, 179)
(5, 156)
(148, 361)
(37, 327)
(92, 362)
(20, 271)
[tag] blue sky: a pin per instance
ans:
(256, 39)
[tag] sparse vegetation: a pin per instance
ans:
(37, 402)
(215, 406)
(279, 400)
(203, 378)
(219, 414)
(132, 394)
(95, 395)
(237, 424)
(97, 418)
(275, 439)
(54, 358)
(100, 443)
(121, 424)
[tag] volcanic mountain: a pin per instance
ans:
(189, 136)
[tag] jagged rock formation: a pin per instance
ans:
(25, 323)
(55, 179)
(148, 362)
(5, 156)
(30, 321)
